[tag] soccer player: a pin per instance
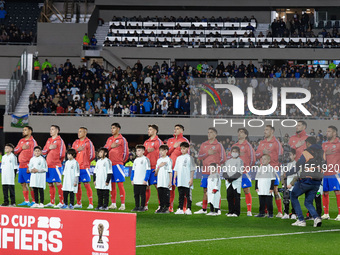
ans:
(152, 153)
(55, 153)
(175, 151)
(71, 178)
(85, 154)
(102, 177)
(264, 185)
(184, 171)
(272, 147)
(8, 167)
(247, 155)
(331, 175)
(25, 150)
(118, 154)
(38, 168)
(139, 178)
(297, 141)
(210, 152)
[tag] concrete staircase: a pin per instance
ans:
(101, 33)
(31, 86)
(262, 27)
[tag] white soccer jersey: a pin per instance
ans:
(163, 172)
(264, 176)
(140, 166)
(8, 166)
(291, 177)
(233, 166)
(214, 182)
(184, 166)
(71, 175)
(102, 169)
(38, 180)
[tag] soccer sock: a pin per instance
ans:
(26, 195)
(172, 196)
(248, 201)
(279, 205)
(338, 201)
(204, 204)
(32, 195)
(52, 194)
(121, 192)
(79, 194)
(113, 192)
(60, 193)
(147, 196)
(89, 193)
(185, 204)
(325, 201)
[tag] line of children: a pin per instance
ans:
(38, 168)
(71, 178)
(164, 176)
(9, 165)
(140, 175)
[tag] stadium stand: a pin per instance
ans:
(20, 23)
(163, 90)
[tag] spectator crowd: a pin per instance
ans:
(167, 90)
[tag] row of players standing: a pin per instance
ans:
(210, 152)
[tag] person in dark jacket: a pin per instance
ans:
(309, 179)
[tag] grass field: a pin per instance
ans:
(220, 234)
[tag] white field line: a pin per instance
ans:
(238, 237)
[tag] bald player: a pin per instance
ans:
(85, 154)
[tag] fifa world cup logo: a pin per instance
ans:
(100, 231)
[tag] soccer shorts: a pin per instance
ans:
(246, 181)
(331, 182)
(24, 177)
(204, 181)
(84, 175)
(54, 174)
(153, 178)
(118, 173)
(277, 180)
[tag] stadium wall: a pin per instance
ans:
(220, 3)
(137, 126)
(131, 54)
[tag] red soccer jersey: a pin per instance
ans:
(154, 155)
(275, 148)
(25, 155)
(56, 156)
(302, 136)
(219, 157)
(247, 154)
(119, 154)
(85, 156)
(175, 152)
(333, 160)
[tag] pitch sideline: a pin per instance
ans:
(238, 237)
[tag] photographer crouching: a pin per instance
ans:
(308, 180)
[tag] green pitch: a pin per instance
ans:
(220, 234)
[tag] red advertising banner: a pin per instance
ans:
(45, 231)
